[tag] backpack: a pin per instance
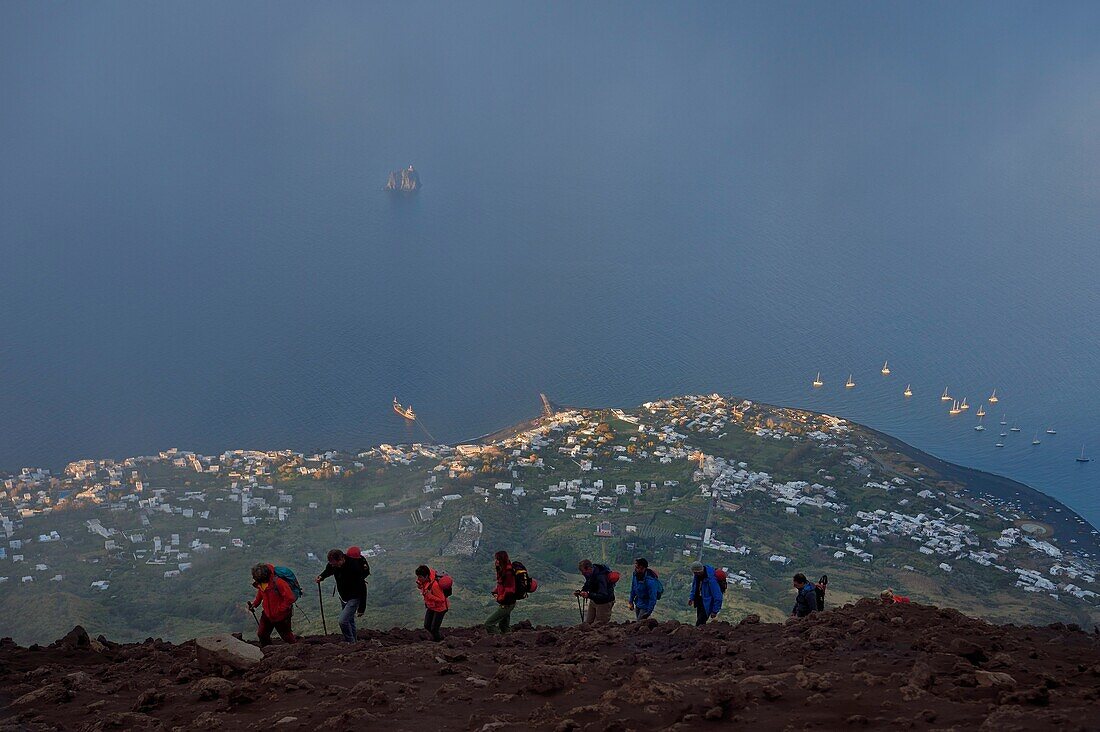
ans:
(660, 584)
(819, 590)
(525, 583)
(287, 575)
(720, 576)
(446, 583)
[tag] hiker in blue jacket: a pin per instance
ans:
(805, 602)
(644, 588)
(706, 593)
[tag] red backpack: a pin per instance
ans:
(720, 575)
(446, 583)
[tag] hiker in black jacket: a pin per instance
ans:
(599, 590)
(350, 571)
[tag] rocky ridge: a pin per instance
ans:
(862, 665)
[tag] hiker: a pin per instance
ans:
(599, 590)
(504, 593)
(435, 600)
(806, 600)
(645, 588)
(706, 593)
(348, 569)
(276, 597)
(889, 598)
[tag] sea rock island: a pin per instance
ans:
(404, 181)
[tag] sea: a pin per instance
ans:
(621, 202)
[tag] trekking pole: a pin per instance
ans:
(579, 611)
(321, 602)
(253, 611)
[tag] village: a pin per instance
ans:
(689, 476)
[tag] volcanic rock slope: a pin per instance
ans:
(862, 665)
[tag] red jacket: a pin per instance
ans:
(277, 599)
(505, 591)
(434, 599)
(900, 598)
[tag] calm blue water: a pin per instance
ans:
(621, 203)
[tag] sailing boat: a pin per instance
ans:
(885, 368)
(908, 390)
(954, 408)
(817, 381)
(993, 397)
(849, 383)
(999, 444)
(1004, 419)
(981, 410)
(1082, 459)
(964, 405)
(1050, 431)
(946, 397)
(980, 427)
(1036, 440)
(1004, 434)
(1013, 428)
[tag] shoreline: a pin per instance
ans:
(1068, 524)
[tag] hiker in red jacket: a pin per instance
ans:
(505, 594)
(435, 601)
(889, 598)
(276, 598)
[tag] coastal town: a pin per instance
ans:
(758, 490)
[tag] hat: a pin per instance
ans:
(696, 566)
(886, 594)
(354, 552)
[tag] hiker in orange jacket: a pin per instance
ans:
(274, 595)
(889, 598)
(435, 602)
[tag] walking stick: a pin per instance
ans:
(321, 602)
(253, 611)
(579, 611)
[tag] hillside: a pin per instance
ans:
(160, 545)
(862, 666)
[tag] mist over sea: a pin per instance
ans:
(620, 203)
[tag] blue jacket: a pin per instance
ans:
(806, 601)
(643, 592)
(710, 591)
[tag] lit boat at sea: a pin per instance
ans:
(964, 406)
(993, 397)
(954, 408)
(981, 411)
(908, 390)
(849, 384)
(885, 368)
(946, 397)
(817, 381)
(406, 412)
